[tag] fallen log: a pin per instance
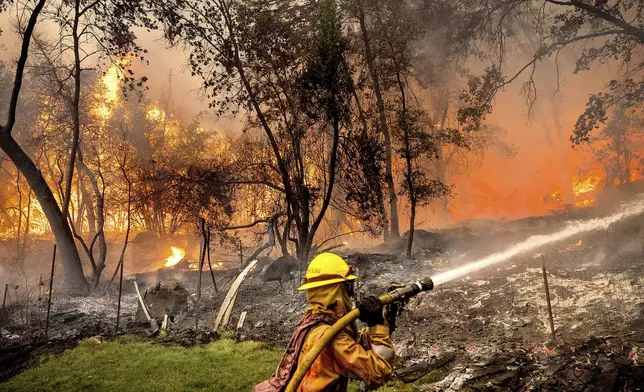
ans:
(415, 372)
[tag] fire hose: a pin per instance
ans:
(397, 295)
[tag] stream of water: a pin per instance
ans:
(625, 210)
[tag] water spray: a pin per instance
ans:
(632, 208)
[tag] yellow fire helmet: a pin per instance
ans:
(327, 268)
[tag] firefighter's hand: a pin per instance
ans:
(391, 313)
(371, 311)
(394, 309)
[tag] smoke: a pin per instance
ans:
(496, 186)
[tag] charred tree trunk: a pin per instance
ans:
(412, 195)
(382, 115)
(407, 152)
(87, 201)
(73, 279)
(19, 230)
(126, 241)
(75, 111)
(329, 190)
(381, 200)
(98, 264)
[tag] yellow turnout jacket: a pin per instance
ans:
(366, 355)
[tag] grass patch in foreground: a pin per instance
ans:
(134, 365)
(223, 366)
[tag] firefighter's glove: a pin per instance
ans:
(394, 309)
(371, 311)
(391, 313)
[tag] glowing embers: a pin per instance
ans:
(178, 254)
(574, 246)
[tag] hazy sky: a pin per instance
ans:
(162, 60)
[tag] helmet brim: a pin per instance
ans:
(313, 285)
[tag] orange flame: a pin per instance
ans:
(177, 255)
(155, 114)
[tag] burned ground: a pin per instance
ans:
(488, 331)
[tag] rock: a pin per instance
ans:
(8, 335)
(280, 270)
(95, 340)
(164, 297)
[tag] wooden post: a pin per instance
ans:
(241, 254)
(118, 306)
(40, 286)
(202, 256)
(212, 274)
(51, 288)
(4, 301)
(242, 318)
(163, 332)
(545, 283)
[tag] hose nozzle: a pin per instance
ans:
(408, 291)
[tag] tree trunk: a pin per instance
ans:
(568, 195)
(75, 112)
(381, 201)
(329, 190)
(87, 201)
(19, 231)
(382, 114)
(99, 264)
(412, 218)
(73, 279)
(27, 223)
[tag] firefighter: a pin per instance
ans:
(364, 355)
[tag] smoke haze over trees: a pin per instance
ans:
(370, 116)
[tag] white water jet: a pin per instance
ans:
(631, 208)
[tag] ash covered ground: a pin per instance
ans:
(485, 332)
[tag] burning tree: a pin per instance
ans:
(420, 144)
(78, 137)
(615, 146)
(73, 273)
(284, 63)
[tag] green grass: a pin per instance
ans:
(125, 366)
(131, 364)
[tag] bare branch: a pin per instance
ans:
(20, 68)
